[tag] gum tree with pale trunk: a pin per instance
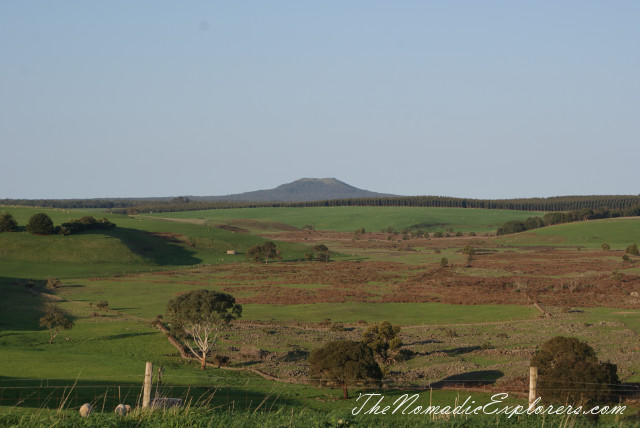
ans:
(198, 316)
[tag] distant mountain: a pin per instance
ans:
(303, 190)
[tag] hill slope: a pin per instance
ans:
(302, 190)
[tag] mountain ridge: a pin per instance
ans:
(301, 190)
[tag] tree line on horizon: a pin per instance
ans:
(183, 203)
(553, 218)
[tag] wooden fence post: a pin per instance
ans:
(146, 389)
(533, 385)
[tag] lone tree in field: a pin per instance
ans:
(264, 252)
(344, 363)
(40, 224)
(469, 252)
(633, 250)
(382, 338)
(198, 316)
(322, 253)
(569, 372)
(8, 223)
(55, 321)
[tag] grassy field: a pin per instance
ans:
(147, 260)
(618, 233)
(348, 219)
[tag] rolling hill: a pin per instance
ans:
(302, 190)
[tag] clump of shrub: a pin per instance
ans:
(563, 361)
(450, 333)
(102, 304)
(8, 223)
(444, 262)
(40, 224)
(53, 283)
(605, 247)
(83, 224)
(632, 250)
(336, 326)
(221, 360)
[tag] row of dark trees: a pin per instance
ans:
(549, 219)
(41, 224)
(135, 206)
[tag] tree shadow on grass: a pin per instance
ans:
(125, 336)
(461, 350)
(470, 379)
(159, 251)
(20, 306)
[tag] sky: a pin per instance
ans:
(480, 99)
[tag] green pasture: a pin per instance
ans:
(396, 313)
(135, 245)
(348, 219)
(618, 233)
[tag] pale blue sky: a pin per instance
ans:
(485, 99)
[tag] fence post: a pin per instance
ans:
(146, 391)
(533, 385)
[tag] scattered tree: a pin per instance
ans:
(569, 371)
(382, 338)
(632, 250)
(264, 252)
(469, 252)
(8, 223)
(605, 247)
(358, 233)
(102, 304)
(40, 224)
(53, 283)
(198, 316)
(321, 253)
(345, 363)
(55, 321)
(444, 262)
(308, 227)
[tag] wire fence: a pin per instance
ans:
(244, 393)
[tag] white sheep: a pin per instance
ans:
(122, 409)
(85, 410)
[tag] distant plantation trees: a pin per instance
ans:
(55, 321)
(569, 372)
(40, 224)
(198, 316)
(264, 252)
(343, 363)
(554, 218)
(8, 223)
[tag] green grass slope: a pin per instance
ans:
(135, 245)
(618, 233)
(346, 219)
